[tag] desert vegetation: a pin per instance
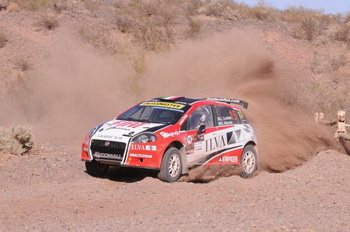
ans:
(3, 40)
(135, 30)
(16, 140)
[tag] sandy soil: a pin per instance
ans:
(51, 192)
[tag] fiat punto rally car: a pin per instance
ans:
(172, 135)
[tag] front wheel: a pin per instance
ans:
(96, 169)
(249, 162)
(171, 168)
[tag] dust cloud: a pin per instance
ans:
(77, 87)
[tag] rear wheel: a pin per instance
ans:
(171, 168)
(96, 169)
(249, 162)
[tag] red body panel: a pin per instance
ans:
(149, 155)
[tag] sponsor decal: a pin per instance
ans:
(198, 146)
(215, 143)
(171, 134)
(105, 136)
(222, 140)
(143, 147)
(140, 155)
(122, 124)
(118, 128)
(189, 139)
(163, 104)
(224, 118)
(107, 155)
(240, 114)
(228, 159)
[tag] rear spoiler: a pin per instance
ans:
(230, 101)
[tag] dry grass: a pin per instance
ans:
(3, 40)
(32, 5)
(16, 140)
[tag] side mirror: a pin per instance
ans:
(201, 129)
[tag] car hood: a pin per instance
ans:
(121, 130)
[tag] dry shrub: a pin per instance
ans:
(191, 7)
(260, 13)
(150, 22)
(16, 140)
(91, 5)
(153, 38)
(88, 35)
(23, 65)
(124, 23)
(225, 9)
(13, 7)
(310, 28)
(49, 22)
(194, 27)
(338, 62)
(214, 9)
(343, 33)
(60, 5)
(347, 17)
(3, 40)
(32, 5)
(298, 14)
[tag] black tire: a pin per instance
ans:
(171, 168)
(249, 162)
(96, 169)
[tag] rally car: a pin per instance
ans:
(173, 135)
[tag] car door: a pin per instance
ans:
(200, 131)
(230, 132)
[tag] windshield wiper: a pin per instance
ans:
(135, 119)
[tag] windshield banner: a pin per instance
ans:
(163, 104)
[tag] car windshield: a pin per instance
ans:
(153, 114)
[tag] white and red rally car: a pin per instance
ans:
(172, 135)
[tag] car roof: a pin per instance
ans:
(210, 100)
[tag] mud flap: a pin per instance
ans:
(184, 161)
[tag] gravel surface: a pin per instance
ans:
(50, 191)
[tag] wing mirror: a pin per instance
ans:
(201, 130)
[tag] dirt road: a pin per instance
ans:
(51, 192)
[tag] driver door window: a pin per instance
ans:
(201, 116)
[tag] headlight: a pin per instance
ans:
(144, 138)
(93, 131)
